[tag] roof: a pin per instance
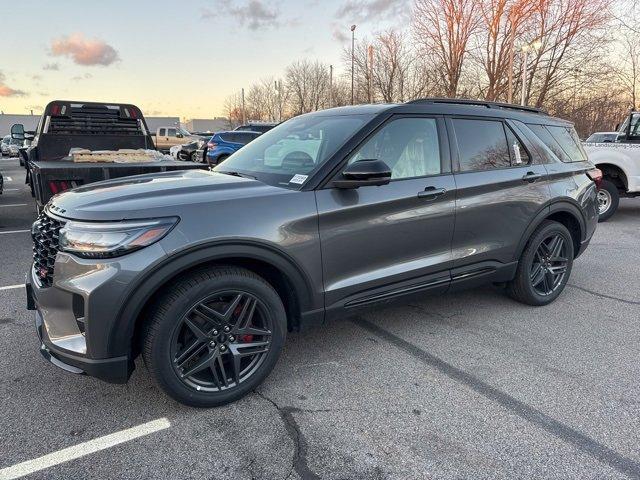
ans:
(447, 106)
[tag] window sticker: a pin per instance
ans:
(516, 153)
(299, 179)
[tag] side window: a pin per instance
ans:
(634, 131)
(482, 144)
(162, 132)
(171, 132)
(569, 142)
(519, 154)
(409, 146)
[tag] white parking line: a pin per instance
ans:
(11, 287)
(14, 205)
(82, 449)
(14, 231)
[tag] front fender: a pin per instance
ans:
(159, 274)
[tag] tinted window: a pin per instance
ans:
(543, 134)
(229, 137)
(569, 142)
(482, 144)
(245, 137)
(162, 132)
(634, 131)
(409, 146)
(171, 132)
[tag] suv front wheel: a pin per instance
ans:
(215, 336)
(544, 267)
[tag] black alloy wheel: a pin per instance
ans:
(544, 266)
(221, 341)
(214, 335)
(550, 264)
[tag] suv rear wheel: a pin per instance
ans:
(215, 336)
(544, 267)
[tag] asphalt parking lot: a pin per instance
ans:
(470, 385)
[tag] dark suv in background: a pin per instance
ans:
(204, 272)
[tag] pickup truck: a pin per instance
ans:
(167, 137)
(116, 133)
(619, 162)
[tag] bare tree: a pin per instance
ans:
(308, 85)
(442, 29)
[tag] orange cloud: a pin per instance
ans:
(7, 91)
(84, 51)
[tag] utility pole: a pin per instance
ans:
(330, 86)
(512, 38)
(524, 76)
(370, 86)
(243, 114)
(353, 42)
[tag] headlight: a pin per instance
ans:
(112, 239)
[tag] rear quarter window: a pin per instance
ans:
(563, 141)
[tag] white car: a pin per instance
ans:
(620, 165)
(173, 151)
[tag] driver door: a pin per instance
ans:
(379, 242)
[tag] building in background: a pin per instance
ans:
(30, 122)
(155, 122)
(207, 124)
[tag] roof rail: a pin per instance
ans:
(480, 103)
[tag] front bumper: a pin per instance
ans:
(76, 318)
(112, 370)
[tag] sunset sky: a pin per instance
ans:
(170, 57)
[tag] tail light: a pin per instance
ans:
(57, 186)
(596, 176)
(211, 145)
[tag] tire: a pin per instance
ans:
(608, 200)
(532, 264)
(177, 318)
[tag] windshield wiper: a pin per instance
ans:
(236, 174)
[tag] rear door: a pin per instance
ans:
(382, 241)
(501, 186)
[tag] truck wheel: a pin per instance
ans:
(544, 267)
(608, 200)
(214, 336)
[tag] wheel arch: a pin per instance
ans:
(290, 281)
(565, 212)
(615, 174)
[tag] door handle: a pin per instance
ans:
(430, 193)
(531, 177)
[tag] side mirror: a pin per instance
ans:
(364, 173)
(179, 135)
(17, 131)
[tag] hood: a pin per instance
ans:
(154, 195)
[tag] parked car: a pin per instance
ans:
(205, 272)
(186, 152)
(223, 144)
(4, 145)
(602, 137)
(166, 137)
(261, 127)
(619, 162)
(14, 147)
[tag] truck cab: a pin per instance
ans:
(169, 136)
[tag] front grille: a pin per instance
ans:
(45, 233)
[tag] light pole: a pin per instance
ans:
(535, 45)
(353, 41)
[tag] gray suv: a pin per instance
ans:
(204, 272)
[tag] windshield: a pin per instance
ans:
(287, 154)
